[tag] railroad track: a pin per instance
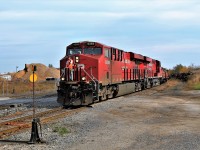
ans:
(13, 126)
(15, 115)
(2, 107)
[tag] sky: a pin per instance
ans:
(38, 31)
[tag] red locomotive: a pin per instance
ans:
(92, 71)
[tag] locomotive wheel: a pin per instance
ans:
(103, 97)
(110, 96)
(138, 87)
(116, 90)
(148, 84)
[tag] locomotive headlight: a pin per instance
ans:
(62, 79)
(76, 59)
(83, 78)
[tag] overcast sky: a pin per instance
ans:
(37, 31)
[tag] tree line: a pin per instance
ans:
(182, 72)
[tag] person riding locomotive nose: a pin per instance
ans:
(70, 65)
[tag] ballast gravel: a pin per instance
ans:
(130, 122)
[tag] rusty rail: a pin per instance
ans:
(21, 125)
(29, 116)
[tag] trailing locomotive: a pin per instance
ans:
(92, 71)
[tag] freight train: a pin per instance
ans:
(91, 71)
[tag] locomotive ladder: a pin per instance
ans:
(92, 78)
(96, 83)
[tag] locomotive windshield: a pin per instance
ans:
(93, 51)
(74, 51)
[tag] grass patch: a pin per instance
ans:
(61, 130)
(197, 86)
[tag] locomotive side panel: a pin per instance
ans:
(104, 70)
(117, 72)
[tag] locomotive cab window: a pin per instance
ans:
(93, 51)
(107, 52)
(74, 51)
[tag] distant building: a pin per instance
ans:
(6, 76)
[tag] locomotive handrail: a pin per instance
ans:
(62, 73)
(93, 76)
(90, 77)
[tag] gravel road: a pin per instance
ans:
(160, 119)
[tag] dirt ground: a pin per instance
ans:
(165, 117)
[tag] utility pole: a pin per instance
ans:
(3, 87)
(6, 86)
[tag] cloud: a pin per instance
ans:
(178, 12)
(152, 27)
(6, 15)
(177, 16)
(177, 48)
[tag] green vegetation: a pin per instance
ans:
(197, 86)
(50, 66)
(193, 82)
(61, 130)
(183, 69)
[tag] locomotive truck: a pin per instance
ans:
(97, 72)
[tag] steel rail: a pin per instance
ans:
(44, 120)
(29, 116)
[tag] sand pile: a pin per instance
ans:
(42, 72)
